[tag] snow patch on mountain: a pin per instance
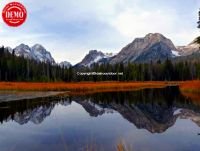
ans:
(96, 59)
(175, 53)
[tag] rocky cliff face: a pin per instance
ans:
(151, 47)
(159, 51)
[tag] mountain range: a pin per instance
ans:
(36, 52)
(152, 47)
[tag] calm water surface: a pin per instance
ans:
(145, 120)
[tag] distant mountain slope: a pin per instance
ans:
(194, 57)
(189, 49)
(65, 64)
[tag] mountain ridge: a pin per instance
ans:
(36, 52)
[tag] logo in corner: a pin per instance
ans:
(14, 14)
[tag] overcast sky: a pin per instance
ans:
(70, 28)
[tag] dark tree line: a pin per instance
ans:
(159, 71)
(13, 68)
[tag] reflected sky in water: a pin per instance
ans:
(145, 120)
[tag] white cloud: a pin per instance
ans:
(184, 37)
(132, 23)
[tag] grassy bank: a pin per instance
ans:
(190, 86)
(191, 89)
(186, 87)
(82, 86)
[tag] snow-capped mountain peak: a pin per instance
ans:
(37, 52)
(23, 50)
(91, 58)
(41, 54)
(95, 56)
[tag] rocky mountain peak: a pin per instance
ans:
(41, 54)
(153, 42)
(95, 52)
(23, 47)
(23, 50)
(92, 57)
(37, 52)
(40, 48)
(155, 36)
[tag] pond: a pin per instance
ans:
(143, 120)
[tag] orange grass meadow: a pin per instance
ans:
(191, 89)
(190, 86)
(81, 86)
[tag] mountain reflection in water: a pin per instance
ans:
(155, 110)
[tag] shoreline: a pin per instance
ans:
(6, 96)
(13, 91)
